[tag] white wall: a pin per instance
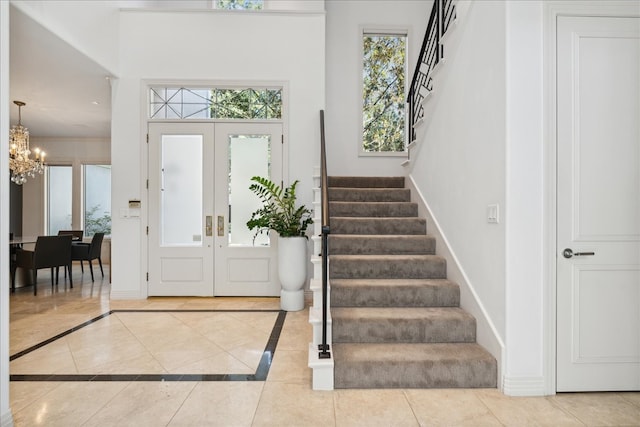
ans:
(458, 165)
(299, 5)
(207, 47)
(343, 117)
(91, 27)
(525, 209)
(6, 418)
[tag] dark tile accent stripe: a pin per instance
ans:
(57, 337)
(260, 375)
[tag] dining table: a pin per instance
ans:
(21, 240)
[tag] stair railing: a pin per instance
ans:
(326, 229)
(442, 15)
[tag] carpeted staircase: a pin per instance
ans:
(396, 318)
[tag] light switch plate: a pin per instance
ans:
(493, 214)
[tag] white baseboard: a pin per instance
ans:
(524, 386)
(6, 420)
(126, 295)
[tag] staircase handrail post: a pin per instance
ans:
(326, 229)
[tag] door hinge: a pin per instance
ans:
(147, 184)
(147, 230)
(282, 138)
(147, 276)
(147, 138)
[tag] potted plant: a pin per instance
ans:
(280, 214)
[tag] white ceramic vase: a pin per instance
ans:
(292, 271)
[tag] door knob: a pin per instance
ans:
(568, 253)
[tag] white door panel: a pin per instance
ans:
(180, 180)
(245, 266)
(598, 300)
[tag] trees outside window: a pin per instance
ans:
(383, 98)
(215, 103)
(239, 4)
(97, 199)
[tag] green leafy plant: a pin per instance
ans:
(97, 224)
(278, 211)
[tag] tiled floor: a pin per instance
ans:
(192, 335)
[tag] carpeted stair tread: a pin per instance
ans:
(396, 320)
(381, 244)
(372, 225)
(346, 194)
(373, 209)
(394, 293)
(366, 181)
(409, 324)
(439, 365)
(387, 267)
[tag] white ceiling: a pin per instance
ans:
(59, 84)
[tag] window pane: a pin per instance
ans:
(97, 199)
(181, 190)
(249, 156)
(59, 194)
(239, 4)
(383, 76)
(218, 103)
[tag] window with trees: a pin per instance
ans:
(78, 198)
(97, 199)
(383, 98)
(239, 4)
(215, 103)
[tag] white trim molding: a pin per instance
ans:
(6, 418)
(524, 386)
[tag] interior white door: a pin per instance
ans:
(598, 202)
(245, 266)
(181, 182)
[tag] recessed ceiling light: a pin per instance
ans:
(95, 102)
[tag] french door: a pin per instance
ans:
(598, 237)
(199, 203)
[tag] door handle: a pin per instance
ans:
(209, 225)
(568, 253)
(220, 225)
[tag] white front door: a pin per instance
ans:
(245, 265)
(199, 203)
(598, 201)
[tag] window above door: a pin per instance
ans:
(184, 103)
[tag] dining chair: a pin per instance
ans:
(49, 252)
(81, 251)
(77, 234)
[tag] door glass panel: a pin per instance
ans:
(181, 190)
(252, 154)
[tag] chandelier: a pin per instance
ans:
(20, 162)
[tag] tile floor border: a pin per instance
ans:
(260, 374)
